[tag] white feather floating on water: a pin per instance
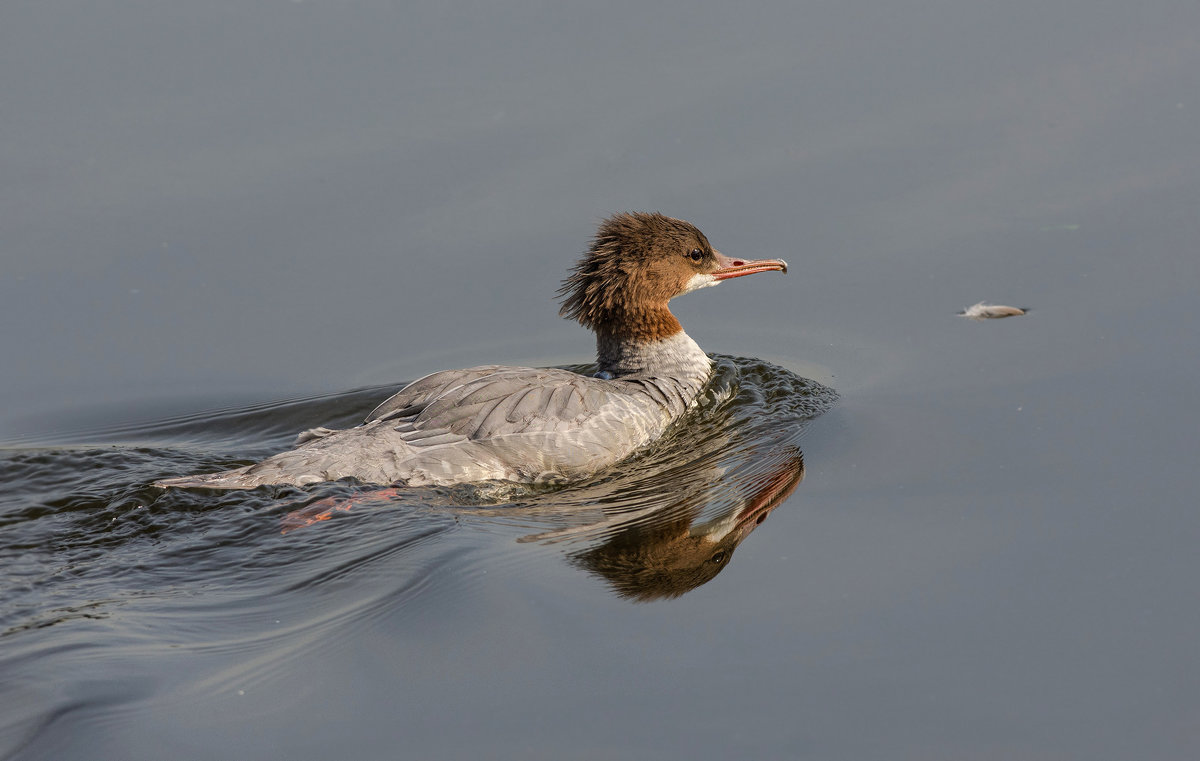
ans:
(985, 311)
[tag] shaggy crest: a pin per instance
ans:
(599, 290)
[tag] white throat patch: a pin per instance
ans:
(699, 281)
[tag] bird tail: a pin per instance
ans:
(237, 478)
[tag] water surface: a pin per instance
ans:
(253, 209)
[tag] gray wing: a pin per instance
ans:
(506, 400)
(424, 390)
(484, 423)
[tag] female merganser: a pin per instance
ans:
(537, 425)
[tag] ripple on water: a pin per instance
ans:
(106, 571)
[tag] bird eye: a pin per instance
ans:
(717, 556)
(696, 255)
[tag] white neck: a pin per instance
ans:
(677, 358)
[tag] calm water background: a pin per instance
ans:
(225, 206)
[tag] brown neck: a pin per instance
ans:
(643, 324)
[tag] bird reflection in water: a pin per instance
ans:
(683, 546)
(652, 553)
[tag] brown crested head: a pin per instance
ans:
(637, 262)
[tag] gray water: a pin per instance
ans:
(224, 223)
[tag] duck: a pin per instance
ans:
(537, 425)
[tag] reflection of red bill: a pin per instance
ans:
(324, 509)
(778, 487)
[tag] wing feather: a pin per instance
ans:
(513, 400)
(408, 400)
